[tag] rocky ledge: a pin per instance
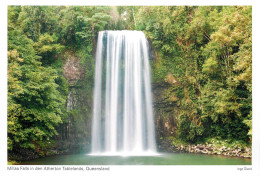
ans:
(211, 149)
(214, 148)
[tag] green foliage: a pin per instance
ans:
(204, 54)
(128, 16)
(13, 14)
(47, 48)
(34, 109)
(210, 66)
(79, 25)
(249, 124)
(189, 130)
(35, 103)
(37, 20)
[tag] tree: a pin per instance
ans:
(204, 56)
(34, 103)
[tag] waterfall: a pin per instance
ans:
(122, 116)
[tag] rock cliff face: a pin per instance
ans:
(165, 120)
(163, 107)
(75, 131)
(72, 68)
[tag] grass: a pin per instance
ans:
(12, 162)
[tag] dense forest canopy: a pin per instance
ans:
(203, 61)
(205, 54)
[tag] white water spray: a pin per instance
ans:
(123, 117)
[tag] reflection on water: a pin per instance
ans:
(162, 159)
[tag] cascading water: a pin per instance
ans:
(123, 117)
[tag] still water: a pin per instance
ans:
(161, 159)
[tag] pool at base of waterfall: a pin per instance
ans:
(158, 159)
